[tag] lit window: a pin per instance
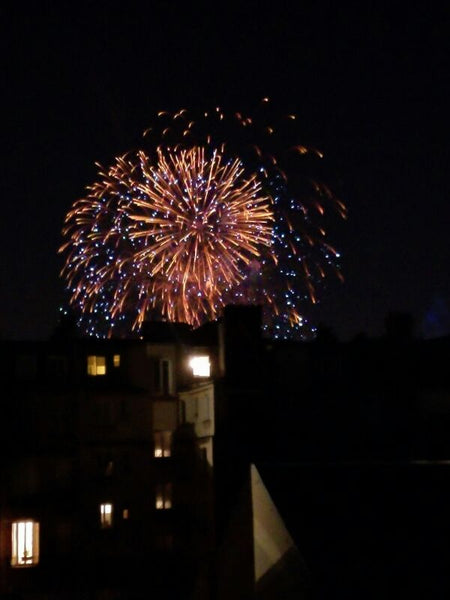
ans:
(163, 496)
(125, 513)
(163, 441)
(200, 365)
(25, 543)
(116, 360)
(106, 512)
(96, 365)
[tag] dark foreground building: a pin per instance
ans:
(121, 472)
(159, 467)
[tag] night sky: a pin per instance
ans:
(370, 87)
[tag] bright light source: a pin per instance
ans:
(25, 543)
(96, 365)
(106, 511)
(200, 365)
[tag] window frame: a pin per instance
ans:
(24, 537)
(162, 443)
(106, 516)
(164, 496)
(96, 365)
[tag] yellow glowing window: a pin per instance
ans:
(200, 365)
(96, 365)
(116, 360)
(106, 514)
(125, 513)
(163, 496)
(163, 442)
(25, 543)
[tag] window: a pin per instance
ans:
(56, 366)
(163, 376)
(116, 360)
(163, 442)
(125, 513)
(163, 496)
(164, 541)
(106, 513)
(105, 464)
(200, 365)
(25, 543)
(109, 468)
(96, 365)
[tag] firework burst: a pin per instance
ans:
(204, 214)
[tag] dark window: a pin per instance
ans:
(161, 377)
(165, 376)
(56, 366)
(26, 366)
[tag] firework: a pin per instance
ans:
(175, 236)
(202, 215)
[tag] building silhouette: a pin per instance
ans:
(165, 465)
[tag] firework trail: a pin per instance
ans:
(204, 214)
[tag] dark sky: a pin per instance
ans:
(370, 87)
